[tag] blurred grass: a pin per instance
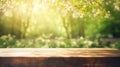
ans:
(8, 41)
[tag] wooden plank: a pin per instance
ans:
(59, 52)
(59, 57)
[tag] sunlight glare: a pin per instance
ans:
(36, 7)
(23, 8)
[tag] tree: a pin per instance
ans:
(112, 26)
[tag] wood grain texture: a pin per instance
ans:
(59, 57)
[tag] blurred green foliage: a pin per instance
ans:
(58, 23)
(117, 45)
(8, 41)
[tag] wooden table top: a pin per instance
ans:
(59, 52)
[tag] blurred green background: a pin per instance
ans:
(60, 23)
